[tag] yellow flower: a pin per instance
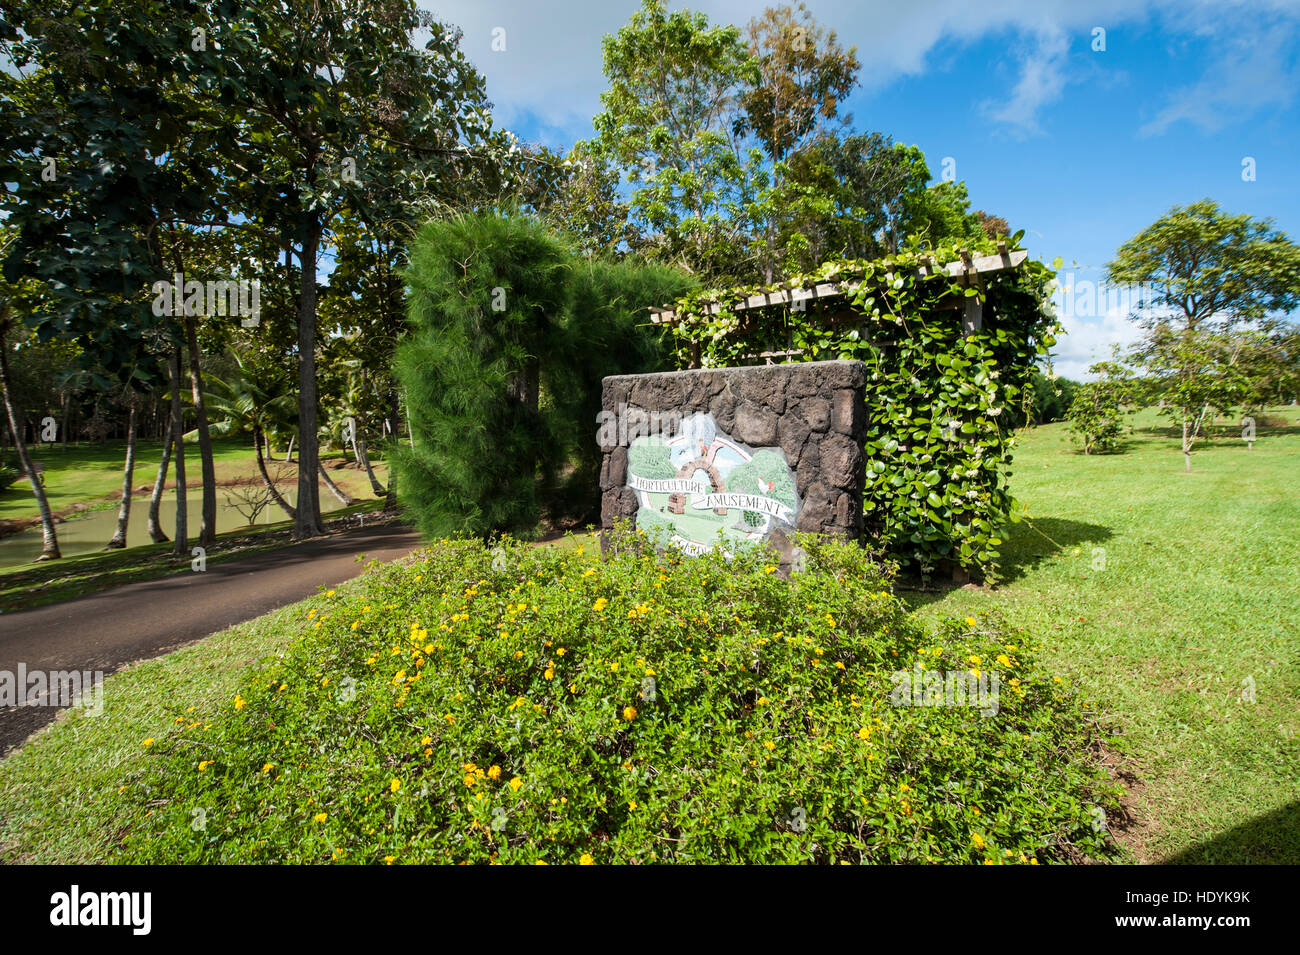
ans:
(395, 785)
(204, 764)
(629, 713)
(389, 860)
(600, 604)
(769, 744)
(148, 742)
(1004, 659)
(549, 674)
(515, 783)
(239, 702)
(330, 594)
(494, 772)
(972, 622)
(586, 859)
(864, 733)
(321, 816)
(977, 840)
(470, 780)
(267, 768)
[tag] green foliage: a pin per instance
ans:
(8, 476)
(504, 401)
(1096, 414)
(523, 705)
(668, 121)
(1205, 265)
(939, 431)
(606, 332)
(1046, 398)
(487, 294)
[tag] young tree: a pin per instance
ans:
(1096, 413)
(49, 541)
(1207, 273)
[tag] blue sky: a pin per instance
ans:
(1081, 148)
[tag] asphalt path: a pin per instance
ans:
(105, 631)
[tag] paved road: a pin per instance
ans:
(107, 630)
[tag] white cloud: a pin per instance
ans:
(1256, 68)
(1087, 339)
(1042, 78)
(551, 68)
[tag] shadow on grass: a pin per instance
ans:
(1273, 839)
(1024, 546)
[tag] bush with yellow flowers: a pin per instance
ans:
(508, 703)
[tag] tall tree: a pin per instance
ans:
(1201, 265)
(669, 121)
(345, 95)
(802, 76)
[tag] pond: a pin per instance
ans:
(88, 532)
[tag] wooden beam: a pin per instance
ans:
(967, 270)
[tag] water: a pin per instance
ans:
(88, 533)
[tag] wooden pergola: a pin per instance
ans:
(966, 272)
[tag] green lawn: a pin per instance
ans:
(1161, 594)
(1169, 595)
(92, 474)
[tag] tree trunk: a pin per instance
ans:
(394, 421)
(270, 485)
(288, 455)
(1187, 449)
(308, 522)
(118, 540)
(156, 533)
(208, 523)
(334, 489)
(49, 541)
(178, 439)
(364, 458)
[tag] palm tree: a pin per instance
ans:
(241, 404)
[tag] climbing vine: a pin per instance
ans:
(939, 440)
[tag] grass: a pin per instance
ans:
(60, 793)
(1168, 595)
(90, 476)
(33, 585)
(1162, 595)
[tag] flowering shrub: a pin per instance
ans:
(532, 705)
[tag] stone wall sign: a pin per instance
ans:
(736, 455)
